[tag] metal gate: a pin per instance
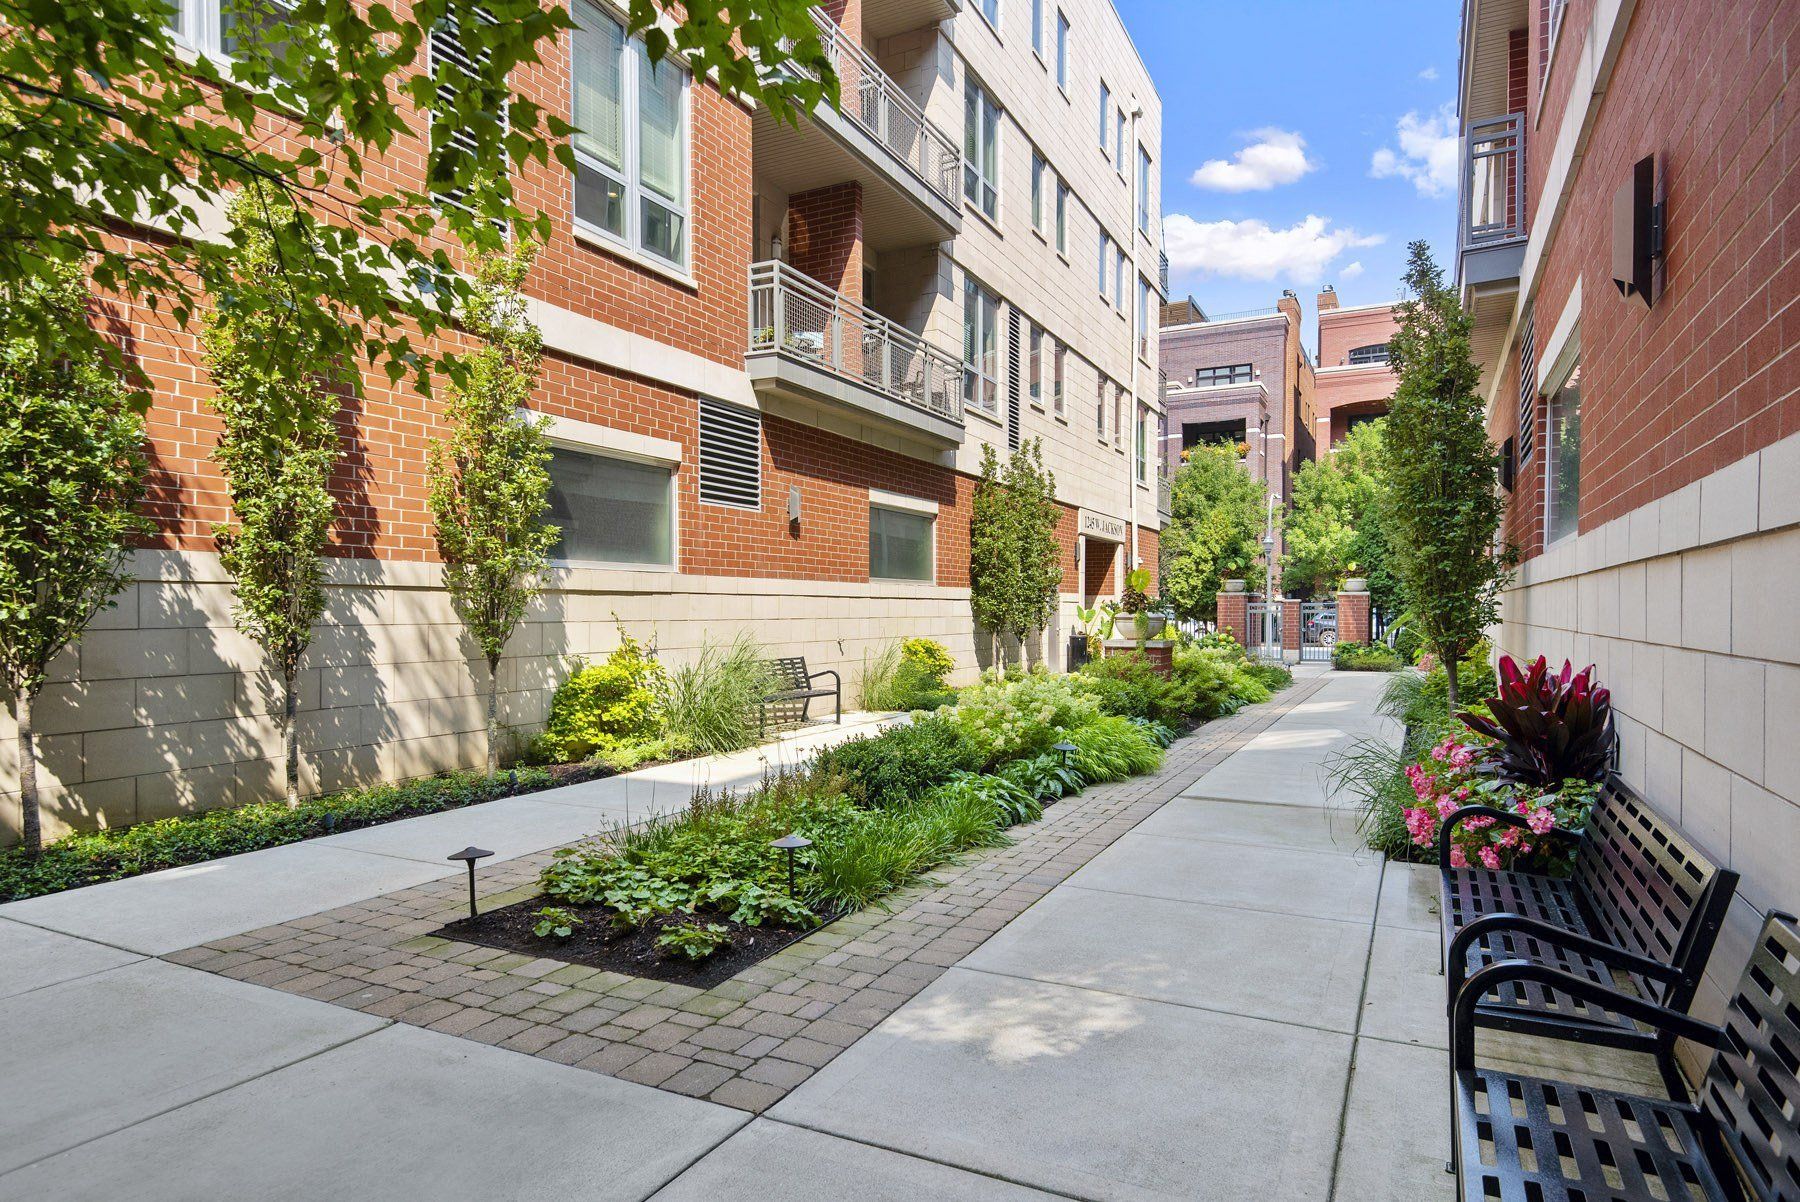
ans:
(1318, 629)
(1263, 638)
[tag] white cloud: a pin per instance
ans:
(1252, 250)
(1275, 157)
(1427, 153)
(1428, 73)
(1351, 272)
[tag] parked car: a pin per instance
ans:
(1321, 630)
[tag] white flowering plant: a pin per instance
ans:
(1022, 716)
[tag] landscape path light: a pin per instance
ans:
(1067, 749)
(469, 855)
(791, 844)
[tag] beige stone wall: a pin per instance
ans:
(163, 708)
(1690, 606)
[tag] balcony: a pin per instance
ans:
(812, 345)
(1493, 225)
(910, 169)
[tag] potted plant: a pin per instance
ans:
(1354, 583)
(1147, 618)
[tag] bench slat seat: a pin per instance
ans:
(1530, 1139)
(792, 692)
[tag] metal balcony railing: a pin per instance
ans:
(794, 315)
(875, 103)
(1493, 183)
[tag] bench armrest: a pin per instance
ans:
(835, 678)
(1457, 957)
(1462, 1015)
(1503, 817)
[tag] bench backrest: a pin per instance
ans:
(1649, 889)
(1752, 1090)
(788, 673)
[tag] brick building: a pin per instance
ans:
(1353, 380)
(772, 356)
(1652, 436)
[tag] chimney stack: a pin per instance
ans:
(1328, 299)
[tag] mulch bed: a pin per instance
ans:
(598, 944)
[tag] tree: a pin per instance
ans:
(1215, 529)
(71, 472)
(490, 484)
(1441, 505)
(1015, 566)
(1335, 524)
(108, 125)
(279, 382)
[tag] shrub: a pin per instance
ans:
(1364, 657)
(607, 706)
(930, 656)
(1547, 727)
(1045, 777)
(710, 706)
(1007, 719)
(89, 857)
(901, 764)
(894, 680)
(1110, 748)
(1013, 803)
(890, 847)
(1272, 677)
(1128, 687)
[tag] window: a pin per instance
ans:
(1103, 276)
(1118, 154)
(611, 510)
(1039, 170)
(1119, 279)
(1105, 111)
(1118, 415)
(1037, 27)
(990, 9)
(1035, 378)
(981, 149)
(1562, 446)
(1143, 440)
(630, 141)
(228, 27)
(1058, 361)
(1143, 317)
(1100, 409)
(1062, 51)
(1143, 192)
(981, 321)
(1210, 377)
(730, 455)
(900, 544)
(1062, 217)
(1363, 356)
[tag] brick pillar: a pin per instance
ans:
(848, 15)
(1353, 617)
(1290, 626)
(1234, 616)
(825, 237)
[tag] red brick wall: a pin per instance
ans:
(1149, 550)
(1712, 373)
(825, 236)
(1341, 332)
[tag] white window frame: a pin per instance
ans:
(985, 385)
(1143, 197)
(912, 507)
(1105, 114)
(1062, 217)
(1039, 169)
(1564, 360)
(1119, 274)
(1034, 378)
(1063, 30)
(1059, 377)
(1118, 417)
(199, 25)
(993, 18)
(1141, 445)
(631, 241)
(1037, 29)
(987, 126)
(1100, 409)
(1143, 317)
(1103, 270)
(1119, 141)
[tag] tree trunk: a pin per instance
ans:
(31, 832)
(493, 716)
(290, 704)
(1450, 681)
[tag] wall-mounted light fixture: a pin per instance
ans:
(1637, 233)
(794, 505)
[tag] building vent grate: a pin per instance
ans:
(1015, 356)
(1527, 387)
(730, 455)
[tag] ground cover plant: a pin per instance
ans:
(1364, 657)
(89, 857)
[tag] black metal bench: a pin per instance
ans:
(1642, 909)
(791, 693)
(1529, 1138)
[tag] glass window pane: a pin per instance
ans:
(660, 163)
(599, 88)
(610, 510)
(1564, 501)
(258, 23)
(664, 231)
(899, 545)
(599, 199)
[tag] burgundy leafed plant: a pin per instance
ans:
(1547, 727)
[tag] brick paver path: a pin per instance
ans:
(748, 1041)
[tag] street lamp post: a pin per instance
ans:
(1268, 543)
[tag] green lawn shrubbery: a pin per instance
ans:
(908, 676)
(1364, 657)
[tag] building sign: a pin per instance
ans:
(1099, 525)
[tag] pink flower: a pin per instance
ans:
(1458, 859)
(1438, 753)
(1421, 826)
(1462, 757)
(1446, 807)
(1479, 822)
(1541, 820)
(1490, 858)
(1462, 794)
(1510, 836)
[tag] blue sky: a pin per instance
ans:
(1305, 142)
